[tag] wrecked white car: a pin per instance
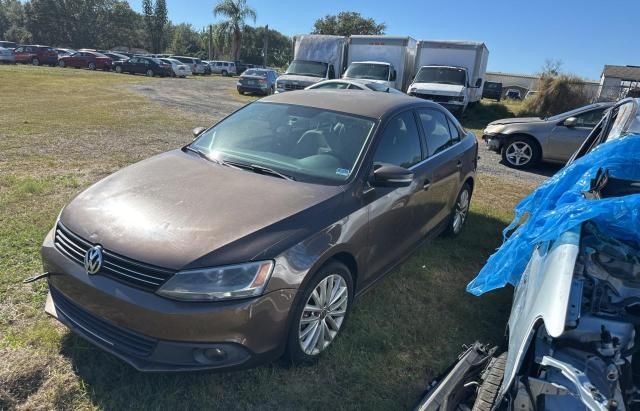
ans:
(575, 262)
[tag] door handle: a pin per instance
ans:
(459, 164)
(426, 185)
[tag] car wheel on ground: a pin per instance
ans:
(35, 61)
(488, 391)
(241, 92)
(224, 73)
(118, 69)
(460, 211)
(520, 152)
(61, 63)
(149, 73)
(91, 66)
(321, 312)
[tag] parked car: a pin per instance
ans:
(226, 68)
(530, 94)
(260, 81)
(254, 239)
(524, 142)
(7, 56)
(196, 65)
(492, 90)
(179, 69)
(36, 55)
(571, 340)
(144, 65)
(86, 59)
(115, 56)
(366, 85)
(513, 94)
(8, 44)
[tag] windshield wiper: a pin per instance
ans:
(259, 169)
(205, 155)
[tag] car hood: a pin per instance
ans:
(517, 120)
(178, 210)
(437, 88)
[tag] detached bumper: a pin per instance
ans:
(153, 333)
(494, 141)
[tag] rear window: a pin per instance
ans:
(492, 85)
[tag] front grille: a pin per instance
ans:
(289, 86)
(433, 97)
(115, 266)
(120, 339)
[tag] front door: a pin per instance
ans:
(392, 211)
(565, 140)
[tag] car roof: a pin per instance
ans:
(374, 105)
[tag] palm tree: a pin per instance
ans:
(236, 12)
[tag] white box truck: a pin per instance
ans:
(386, 60)
(450, 73)
(316, 57)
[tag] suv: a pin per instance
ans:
(226, 68)
(492, 90)
(8, 44)
(36, 55)
(143, 65)
(196, 65)
(513, 94)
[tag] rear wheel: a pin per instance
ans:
(224, 73)
(488, 391)
(61, 63)
(520, 152)
(149, 73)
(91, 66)
(118, 69)
(321, 312)
(35, 61)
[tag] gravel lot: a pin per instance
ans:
(218, 97)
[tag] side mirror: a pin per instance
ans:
(197, 131)
(393, 75)
(478, 83)
(570, 122)
(388, 175)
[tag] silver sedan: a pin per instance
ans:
(524, 142)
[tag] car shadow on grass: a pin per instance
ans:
(401, 334)
(543, 169)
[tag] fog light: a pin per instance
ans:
(215, 354)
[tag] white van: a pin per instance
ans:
(226, 68)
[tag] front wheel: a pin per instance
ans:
(35, 61)
(119, 69)
(520, 152)
(149, 73)
(91, 66)
(488, 391)
(224, 73)
(460, 211)
(61, 63)
(320, 313)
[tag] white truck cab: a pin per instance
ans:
(375, 71)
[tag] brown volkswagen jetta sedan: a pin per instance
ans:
(253, 240)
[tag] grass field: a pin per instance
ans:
(62, 130)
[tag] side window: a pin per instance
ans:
(352, 87)
(590, 118)
(19, 50)
(455, 132)
(400, 142)
(436, 130)
(332, 73)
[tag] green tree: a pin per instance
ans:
(280, 47)
(156, 20)
(186, 40)
(236, 12)
(347, 23)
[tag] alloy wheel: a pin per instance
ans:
(150, 73)
(35, 62)
(461, 211)
(92, 66)
(519, 153)
(61, 63)
(323, 314)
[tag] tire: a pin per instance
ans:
(332, 274)
(61, 64)
(149, 73)
(460, 211)
(35, 61)
(119, 69)
(488, 391)
(91, 66)
(224, 73)
(241, 92)
(520, 152)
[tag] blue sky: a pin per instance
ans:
(520, 35)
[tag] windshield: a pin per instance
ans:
(253, 72)
(571, 113)
(307, 68)
(368, 71)
(442, 75)
(309, 144)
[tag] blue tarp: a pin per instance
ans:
(559, 205)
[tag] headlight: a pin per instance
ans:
(494, 129)
(460, 99)
(220, 283)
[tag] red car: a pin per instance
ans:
(86, 59)
(36, 55)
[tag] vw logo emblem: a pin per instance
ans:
(93, 259)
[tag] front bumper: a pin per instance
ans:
(153, 333)
(494, 141)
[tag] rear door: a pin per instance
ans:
(564, 140)
(441, 169)
(392, 211)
